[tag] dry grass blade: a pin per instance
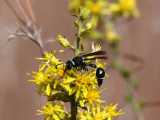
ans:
(22, 9)
(15, 12)
(27, 27)
(30, 10)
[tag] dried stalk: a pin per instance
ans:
(27, 27)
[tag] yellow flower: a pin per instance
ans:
(96, 115)
(96, 47)
(126, 7)
(49, 59)
(112, 37)
(52, 111)
(107, 114)
(84, 115)
(98, 6)
(40, 78)
(99, 115)
(45, 81)
(92, 97)
(99, 64)
(48, 80)
(111, 111)
(82, 83)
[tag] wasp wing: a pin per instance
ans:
(103, 57)
(95, 53)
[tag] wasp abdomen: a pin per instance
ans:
(100, 74)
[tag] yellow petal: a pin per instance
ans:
(48, 90)
(69, 79)
(55, 117)
(72, 90)
(109, 118)
(78, 93)
(67, 86)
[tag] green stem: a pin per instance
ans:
(77, 53)
(129, 87)
(120, 68)
(73, 107)
(78, 39)
(134, 102)
(77, 45)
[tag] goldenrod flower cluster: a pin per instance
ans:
(57, 84)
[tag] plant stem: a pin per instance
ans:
(77, 45)
(120, 68)
(128, 85)
(73, 107)
(78, 35)
(77, 53)
(133, 103)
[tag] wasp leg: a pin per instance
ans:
(92, 65)
(86, 69)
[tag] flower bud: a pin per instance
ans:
(88, 25)
(76, 23)
(84, 14)
(63, 41)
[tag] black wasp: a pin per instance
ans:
(79, 62)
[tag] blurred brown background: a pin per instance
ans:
(18, 97)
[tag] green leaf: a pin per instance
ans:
(141, 104)
(59, 96)
(128, 98)
(126, 73)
